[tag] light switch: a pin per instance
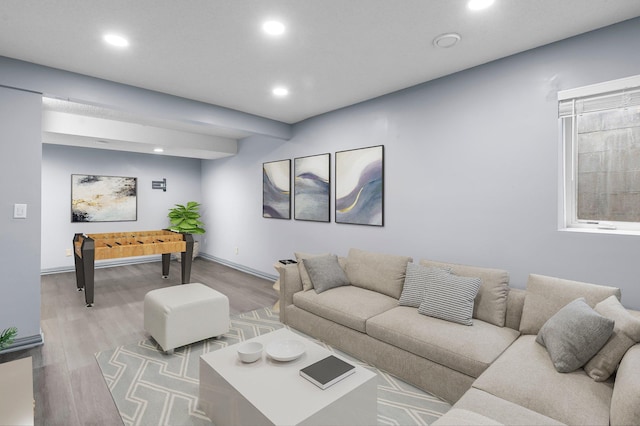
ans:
(19, 211)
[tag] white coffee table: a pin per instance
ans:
(273, 393)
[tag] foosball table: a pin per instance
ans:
(91, 247)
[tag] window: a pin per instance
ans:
(601, 156)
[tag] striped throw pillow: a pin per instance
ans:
(450, 297)
(414, 284)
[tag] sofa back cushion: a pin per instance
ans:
(490, 304)
(379, 272)
(626, 333)
(515, 303)
(547, 295)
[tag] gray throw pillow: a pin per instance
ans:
(574, 334)
(325, 272)
(449, 297)
(304, 275)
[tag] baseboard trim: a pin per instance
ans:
(148, 259)
(240, 267)
(22, 343)
(105, 264)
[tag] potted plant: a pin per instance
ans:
(186, 220)
(7, 337)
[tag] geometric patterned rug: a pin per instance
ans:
(152, 388)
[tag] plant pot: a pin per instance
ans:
(196, 251)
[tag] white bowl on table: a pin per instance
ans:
(250, 351)
(285, 350)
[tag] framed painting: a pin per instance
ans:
(103, 198)
(311, 188)
(360, 186)
(276, 189)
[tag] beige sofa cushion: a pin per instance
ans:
(626, 333)
(525, 375)
(462, 417)
(515, 303)
(625, 403)
(469, 350)
(349, 306)
(379, 272)
(547, 295)
(490, 304)
(497, 410)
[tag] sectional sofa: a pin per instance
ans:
(461, 333)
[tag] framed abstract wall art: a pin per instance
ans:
(312, 187)
(360, 186)
(276, 189)
(103, 198)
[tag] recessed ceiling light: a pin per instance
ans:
(116, 40)
(479, 4)
(280, 91)
(273, 27)
(446, 40)
(158, 150)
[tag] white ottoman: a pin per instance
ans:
(183, 314)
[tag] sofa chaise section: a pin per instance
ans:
(477, 407)
(525, 375)
(524, 381)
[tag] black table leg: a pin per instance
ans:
(166, 263)
(78, 264)
(187, 257)
(88, 268)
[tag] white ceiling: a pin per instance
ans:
(334, 53)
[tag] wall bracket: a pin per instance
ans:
(159, 184)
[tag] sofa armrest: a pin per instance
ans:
(515, 303)
(625, 409)
(290, 283)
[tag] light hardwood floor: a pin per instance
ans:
(68, 386)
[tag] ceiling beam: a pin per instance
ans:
(93, 132)
(80, 88)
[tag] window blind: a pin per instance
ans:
(613, 100)
(614, 94)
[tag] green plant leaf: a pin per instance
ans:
(7, 337)
(186, 218)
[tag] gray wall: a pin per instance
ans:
(471, 172)
(20, 238)
(59, 162)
